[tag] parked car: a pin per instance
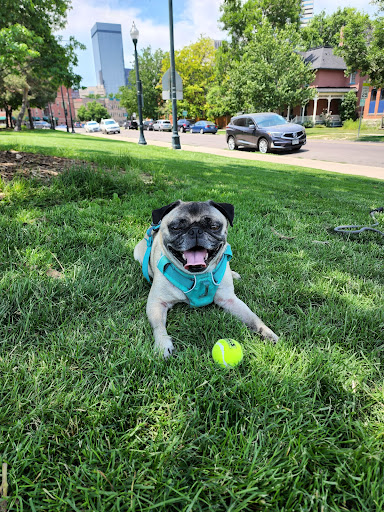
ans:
(92, 126)
(62, 127)
(162, 125)
(109, 126)
(78, 125)
(264, 131)
(148, 125)
(131, 124)
(183, 125)
(203, 127)
(41, 125)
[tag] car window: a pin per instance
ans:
(239, 122)
(109, 122)
(265, 122)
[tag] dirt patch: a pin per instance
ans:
(17, 163)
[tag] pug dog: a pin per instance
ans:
(186, 256)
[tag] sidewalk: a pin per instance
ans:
(355, 170)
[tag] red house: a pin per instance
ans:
(331, 85)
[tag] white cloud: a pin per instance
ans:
(199, 17)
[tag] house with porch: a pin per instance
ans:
(331, 85)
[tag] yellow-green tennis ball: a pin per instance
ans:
(227, 353)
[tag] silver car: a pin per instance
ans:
(92, 126)
(162, 125)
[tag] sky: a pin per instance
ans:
(192, 18)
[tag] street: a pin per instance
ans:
(369, 154)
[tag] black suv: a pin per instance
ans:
(131, 125)
(264, 131)
(148, 125)
(184, 124)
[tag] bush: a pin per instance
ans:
(348, 106)
(308, 124)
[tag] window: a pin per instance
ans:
(380, 109)
(372, 101)
(352, 78)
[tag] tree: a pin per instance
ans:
(362, 47)
(195, 65)
(270, 75)
(94, 111)
(324, 30)
(53, 63)
(347, 107)
(150, 76)
(241, 19)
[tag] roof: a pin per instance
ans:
(324, 58)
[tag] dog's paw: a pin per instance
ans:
(235, 275)
(164, 347)
(268, 334)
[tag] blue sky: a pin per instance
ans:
(192, 18)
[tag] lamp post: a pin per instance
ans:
(175, 134)
(135, 36)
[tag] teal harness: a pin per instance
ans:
(200, 289)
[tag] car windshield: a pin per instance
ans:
(264, 122)
(109, 122)
(92, 122)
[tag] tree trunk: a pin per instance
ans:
(10, 117)
(7, 124)
(24, 105)
(31, 125)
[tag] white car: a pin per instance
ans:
(41, 125)
(92, 126)
(163, 125)
(109, 126)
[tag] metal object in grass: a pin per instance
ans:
(353, 230)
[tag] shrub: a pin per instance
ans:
(348, 106)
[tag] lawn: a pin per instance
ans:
(91, 419)
(349, 131)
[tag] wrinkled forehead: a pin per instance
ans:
(195, 211)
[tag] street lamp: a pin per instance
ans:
(175, 136)
(135, 36)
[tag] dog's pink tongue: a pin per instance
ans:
(195, 257)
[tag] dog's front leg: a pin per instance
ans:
(157, 310)
(238, 308)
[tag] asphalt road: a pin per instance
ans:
(357, 153)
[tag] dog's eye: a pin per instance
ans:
(215, 227)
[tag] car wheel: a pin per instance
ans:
(202, 131)
(263, 145)
(231, 143)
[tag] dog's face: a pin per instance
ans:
(194, 235)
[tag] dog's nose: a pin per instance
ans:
(195, 232)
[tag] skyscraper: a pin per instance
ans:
(307, 12)
(108, 54)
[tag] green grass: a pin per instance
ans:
(91, 419)
(349, 131)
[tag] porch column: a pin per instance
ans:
(329, 103)
(314, 110)
(288, 112)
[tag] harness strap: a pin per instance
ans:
(145, 264)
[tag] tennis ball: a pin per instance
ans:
(227, 353)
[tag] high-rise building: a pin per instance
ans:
(108, 54)
(307, 12)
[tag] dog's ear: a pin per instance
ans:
(227, 209)
(158, 214)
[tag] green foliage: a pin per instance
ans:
(324, 29)
(94, 111)
(269, 75)
(195, 65)
(348, 106)
(150, 76)
(241, 19)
